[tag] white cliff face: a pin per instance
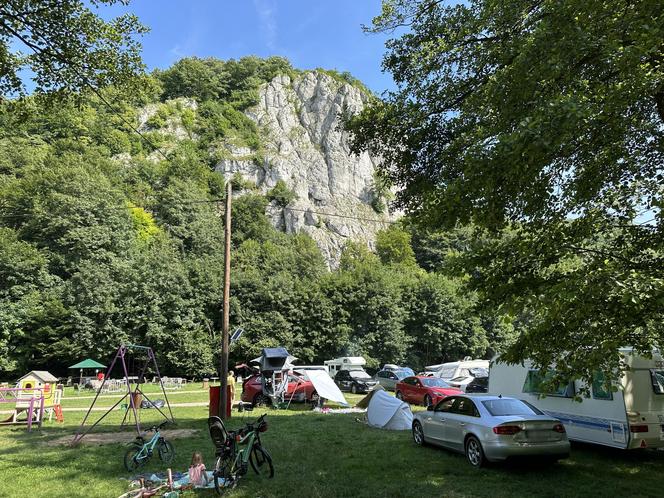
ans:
(306, 148)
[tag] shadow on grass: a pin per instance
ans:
(321, 455)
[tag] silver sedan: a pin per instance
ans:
(490, 428)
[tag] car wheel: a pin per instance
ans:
(427, 400)
(261, 400)
(353, 389)
(399, 395)
(315, 398)
(474, 452)
(418, 433)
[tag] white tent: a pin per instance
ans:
(387, 412)
(325, 386)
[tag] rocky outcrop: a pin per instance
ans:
(305, 147)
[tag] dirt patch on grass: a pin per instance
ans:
(118, 437)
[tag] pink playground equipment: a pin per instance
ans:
(134, 394)
(35, 396)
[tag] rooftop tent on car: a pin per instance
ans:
(275, 359)
(274, 365)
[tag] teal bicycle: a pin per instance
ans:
(236, 451)
(140, 452)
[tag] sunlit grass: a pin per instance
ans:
(317, 455)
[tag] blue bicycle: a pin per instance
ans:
(140, 452)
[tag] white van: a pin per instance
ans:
(344, 363)
(631, 417)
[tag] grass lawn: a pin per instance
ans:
(317, 455)
(192, 392)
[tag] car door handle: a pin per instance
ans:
(462, 424)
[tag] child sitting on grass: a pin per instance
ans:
(197, 474)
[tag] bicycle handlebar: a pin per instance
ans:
(158, 427)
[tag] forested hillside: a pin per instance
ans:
(105, 240)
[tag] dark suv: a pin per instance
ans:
(478, 385)
(355, 381)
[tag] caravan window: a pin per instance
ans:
(534, 381)
(657, 377)
(599, 388)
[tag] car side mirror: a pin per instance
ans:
(430, 408)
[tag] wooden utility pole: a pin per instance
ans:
(223, 395)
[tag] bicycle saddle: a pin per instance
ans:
(218, 432)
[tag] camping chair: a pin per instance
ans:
(218, 434)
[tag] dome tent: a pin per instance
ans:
(387, 412)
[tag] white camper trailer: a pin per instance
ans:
(630, 417)
(344, 363)
(458, 370)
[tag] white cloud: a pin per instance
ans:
(267, 10)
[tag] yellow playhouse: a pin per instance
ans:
(43, 380)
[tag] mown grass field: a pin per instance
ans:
(317, 455)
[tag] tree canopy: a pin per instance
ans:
(64, 46)
(545, 119)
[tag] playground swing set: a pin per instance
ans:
(35, 396)
(134, 394)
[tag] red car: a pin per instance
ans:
(424, 390)
(298, 390)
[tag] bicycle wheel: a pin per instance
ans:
(224, 477)
(166, 451)
(130, 461)
(261, 462)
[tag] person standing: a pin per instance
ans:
(231, 384)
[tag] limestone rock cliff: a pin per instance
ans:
(305, 147)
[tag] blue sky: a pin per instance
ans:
(310, 33)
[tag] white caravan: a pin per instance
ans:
(344, 363)
(631, 417)
(459, 373)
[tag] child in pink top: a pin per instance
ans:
(197, 474)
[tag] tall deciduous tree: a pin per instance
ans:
(548, 115)
(66, 46)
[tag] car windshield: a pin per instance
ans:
(402, 373)
(507, 407)
(434, 382)
(359, 374)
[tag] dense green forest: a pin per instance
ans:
(104, 241)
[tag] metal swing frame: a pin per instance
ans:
(121, 355)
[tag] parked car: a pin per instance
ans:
(491, 428)
(388, 378)
(298, 390)
(355, 381)
(478, 385)
(467, 376)
(424, 390)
